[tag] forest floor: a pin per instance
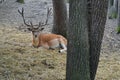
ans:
(20, 61)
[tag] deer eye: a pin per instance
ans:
(29, 29)
(41, 29)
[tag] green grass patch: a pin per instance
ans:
(20, 1)
(118, 29)
(113, 15)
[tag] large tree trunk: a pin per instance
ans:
(96, 31)
(78, 47)
(60, 17)
(78, 53)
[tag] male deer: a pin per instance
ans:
(45, 40)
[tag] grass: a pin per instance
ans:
(20, 61)
(118, 29)
(109, 68)
(113, 15)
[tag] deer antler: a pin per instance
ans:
(31, 26)
(46, 22)
(22, 14)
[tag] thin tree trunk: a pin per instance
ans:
(78, 47)
(110, 4)
(98, 15)
(113, 9)
(118, 28)
(115, 4)
(60, 17)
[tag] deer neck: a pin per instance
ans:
(36, 42)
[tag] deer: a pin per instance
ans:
(45, 40)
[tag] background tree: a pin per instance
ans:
(78, 47)
(60, 17)
(118, 28)
(113, 9)
(111, 2)
(20, 1)
(115, 5)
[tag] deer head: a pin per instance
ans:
(35, 29)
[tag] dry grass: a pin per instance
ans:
(19, 61)
(109, 67)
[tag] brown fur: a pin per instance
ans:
(44, 40)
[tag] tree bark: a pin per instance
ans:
(60, 17)
(79, 41)
(78, 46)
(96, 31)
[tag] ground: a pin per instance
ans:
(20, 61)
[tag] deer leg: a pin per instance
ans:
(63, 46)
(46, 46)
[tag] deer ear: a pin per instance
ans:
(41, 29)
